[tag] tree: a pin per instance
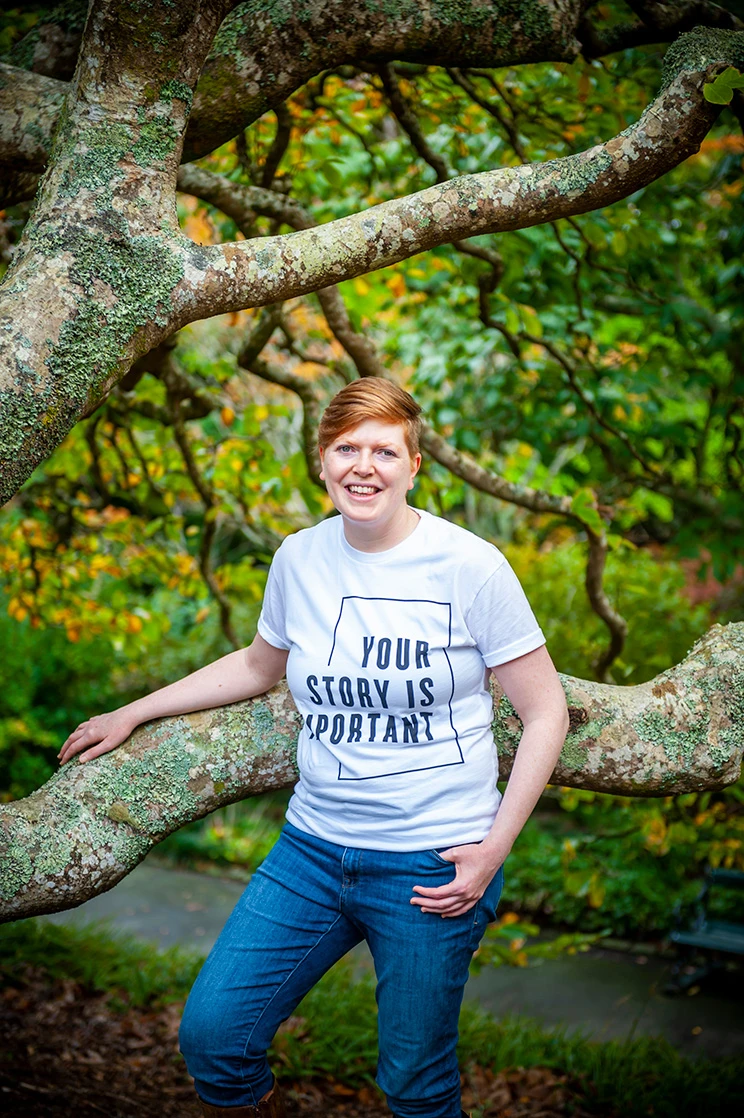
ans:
(102, 278)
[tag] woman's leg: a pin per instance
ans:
(421, 961)
(286, 931)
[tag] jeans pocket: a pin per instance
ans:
(485, 910)
(442, 861)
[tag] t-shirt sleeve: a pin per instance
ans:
(501, 620)
(272, 622)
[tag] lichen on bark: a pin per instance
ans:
(91, 824)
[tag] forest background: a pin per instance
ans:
(596, 358)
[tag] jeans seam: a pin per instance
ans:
(279, 988)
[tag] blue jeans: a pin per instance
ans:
(305, 907)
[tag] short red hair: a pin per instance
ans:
(371, 398)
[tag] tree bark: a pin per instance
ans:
(261, 55)
(103, 275)
(88, 826)
(260, 59)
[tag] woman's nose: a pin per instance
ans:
(363, 464)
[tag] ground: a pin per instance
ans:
(66, 1051)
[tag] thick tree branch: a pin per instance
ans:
(658, 22)
(51, 46)
(30, 105)
(263, 54)
(91, 824)
(123, 281)
(258, 60)
(100, 255)
(495, 201)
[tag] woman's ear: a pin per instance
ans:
(415, 466)
(321, 475)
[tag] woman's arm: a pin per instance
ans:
(531, 684)
(239, 675)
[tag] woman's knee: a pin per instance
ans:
(199, 1032)
(228, 1066)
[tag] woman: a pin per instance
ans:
(387, 620)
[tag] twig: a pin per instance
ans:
(409, 123)
(210, 519)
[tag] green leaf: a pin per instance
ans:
(584, 506)
(513, 322)
(619, 243)
(721, 91)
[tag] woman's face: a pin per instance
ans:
(368, 472)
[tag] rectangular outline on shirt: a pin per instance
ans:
(432, 602)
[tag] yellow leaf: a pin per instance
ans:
(227, 416)
(596, 892)
(361, 286)
(397, 285)
(199, 228)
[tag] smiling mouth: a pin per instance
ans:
(362, 490)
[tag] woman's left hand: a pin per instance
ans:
(474, 869)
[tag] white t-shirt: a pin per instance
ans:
(387, 666)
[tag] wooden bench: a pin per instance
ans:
(706, 935)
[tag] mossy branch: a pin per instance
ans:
(270, 269)
(88, 826)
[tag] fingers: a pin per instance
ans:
(451, 888)
(446, 900)
(455, 908)
(80, 739)
(91, 749)
(74, 736)
(105, 747)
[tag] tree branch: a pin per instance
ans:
(658, 22)
(249, 359)
(206, 493)
(602, 606)
(406, 117)
(272, 269)
(155, 283)
(88, 826)
(261, 55)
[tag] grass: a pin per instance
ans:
(333, 1032)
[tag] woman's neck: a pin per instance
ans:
(376, 537)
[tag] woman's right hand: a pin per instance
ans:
(100, 734)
